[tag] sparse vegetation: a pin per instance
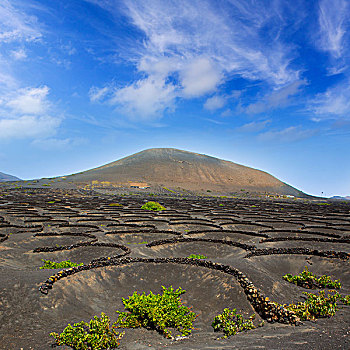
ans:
(307, 279)
(197, 256)
(115, 205)
(144, 242)
(230, 323)
(318, 306)
(157, 311)
(154, 206)
(98, 334)
(48, 264)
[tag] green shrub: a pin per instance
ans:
(155, 206)
(95, 335)
(317, 306)
(230, 322)
(115, 205)
(307, 279)
(157, 311)
(197, 256)
(58, 265)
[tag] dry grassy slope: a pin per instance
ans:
(172, 167)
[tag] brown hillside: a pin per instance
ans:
(176, 168)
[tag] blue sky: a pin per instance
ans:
(261, 83)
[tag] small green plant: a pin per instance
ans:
(167, 189)
(157, 311)
(144, 242)
(115, 205)
(318, 306)
(155, 206)
(98, 334)
(58, 265)
(230, 322)
(307, 279)
(197, 256)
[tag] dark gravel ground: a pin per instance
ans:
(226, 230)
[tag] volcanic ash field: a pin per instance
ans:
(249, 246)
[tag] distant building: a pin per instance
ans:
(140, 185)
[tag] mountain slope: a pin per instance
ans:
(7, 177)
(177, 168)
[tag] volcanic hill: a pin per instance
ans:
(175, 168)
(7, 177)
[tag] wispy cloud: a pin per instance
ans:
(253, 126)
(19, 54)
(49, 144)
(290, 134)
(190, 48)
(332, 104)
(97, 94)
(334, 22)
(16, 25)
(276, 99)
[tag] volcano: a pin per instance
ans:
(175, 168)
(7, 177)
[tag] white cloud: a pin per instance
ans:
(199, 77)
(333, 20)
(27, 114)
(28, 127)
(19, 54)
(97, 94)
(290, 134)
(146, 99)
(253, 126)
(191, 47)
(30, 101)
(215, 102)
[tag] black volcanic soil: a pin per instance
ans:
(82, 226)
